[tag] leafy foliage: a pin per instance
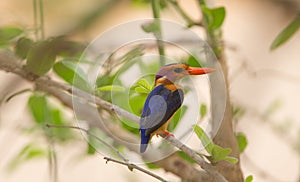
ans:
(203, 110)
(28, 152)
(111, 88)
(242, 141)
(23, 46)
(216, 152)
(286, 33)
(213, 16)
(73, 74)
(185, 156)
(142, 86)
(249, 178)
(44, 114)
(176, 118)
(7, 34)
(40, 58)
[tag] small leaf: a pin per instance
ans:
(205, 140)
(232, 160)
(9, 33)
(286, 33)
(214, 17)
(203, 110)
(249, 178)
(67, 48)
(144, 83)
(112, 88)
(238, 112)
(219, 153)
(242, 141)
(28, 152)
(23, 46)
(136, 103)
(272, 108)
(185, 157)
(141, 90)
(193, 61)
(152, 166)
(73, 74)
(176, 118)
(39, 108)
(151, 27)
(40, 58)
(142, 86)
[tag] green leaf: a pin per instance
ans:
(272, 108)
(73, 74)
(23, 46)
(39, 108)
(287, 32)
(111, 88)
(203, 110)
(40, 58)
(242, 141)
(67, 48)
(141, 90)
(214, 17)
(219, 153)
(152, 166)
(28, 152)
(238, 112)
(193, 61)
(136, 103)
(216, 152)
(90, 149)
(142, 86)
(230, 159)
(151, 27)
(249, 178)
(205, 140)
(9, 33)
(176, 118)
(185, 157)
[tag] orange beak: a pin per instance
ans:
(199, 71)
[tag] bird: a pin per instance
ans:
(164, 100)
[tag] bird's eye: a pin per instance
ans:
(178, 70)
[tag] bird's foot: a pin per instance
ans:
(168, 134)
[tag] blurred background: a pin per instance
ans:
(264, 85)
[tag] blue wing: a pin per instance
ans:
(160, 105)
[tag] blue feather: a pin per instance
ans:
(144, 140)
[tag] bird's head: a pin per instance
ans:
(176, 71)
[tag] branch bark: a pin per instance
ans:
(62, 92)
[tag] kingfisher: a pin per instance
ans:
(164, 100)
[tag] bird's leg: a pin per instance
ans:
(168, 133)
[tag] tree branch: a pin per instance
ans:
(133, 166)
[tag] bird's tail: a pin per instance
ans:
(144, 140)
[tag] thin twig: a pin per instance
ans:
(126, 161)
(133, 166)
(190, 22)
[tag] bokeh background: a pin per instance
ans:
(264, 85)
